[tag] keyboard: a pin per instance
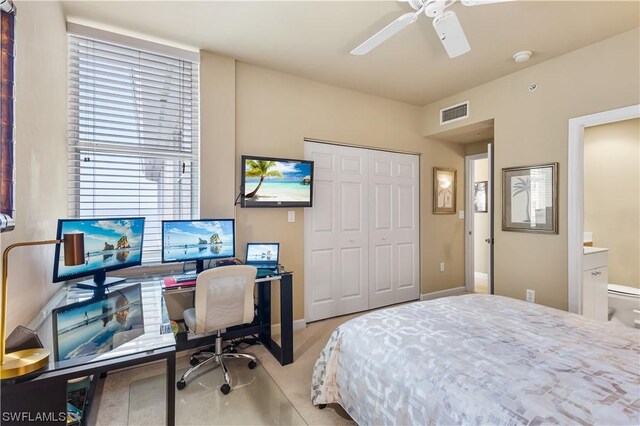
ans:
(185, 277)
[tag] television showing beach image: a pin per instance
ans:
(109, 244)
(273, 182)
(96, 326)
(185, 240)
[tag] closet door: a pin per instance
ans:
(394, 249)
(336, 232)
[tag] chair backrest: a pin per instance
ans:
(224, 297)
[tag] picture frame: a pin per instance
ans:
(480, 197)
(530, 199)
(444, 190)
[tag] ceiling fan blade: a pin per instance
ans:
(386, 33)
(451, 34)
(481, 2)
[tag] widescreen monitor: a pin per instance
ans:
(98, 325)
(276, 182)
(198, 240)
(109, 244)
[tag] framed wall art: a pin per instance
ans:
(530, 199)
(480, 197)
(444, 191)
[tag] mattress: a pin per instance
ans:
(480, 359)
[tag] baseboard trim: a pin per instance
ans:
(443, 293)
(297, 325)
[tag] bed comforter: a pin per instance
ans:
(479, 359)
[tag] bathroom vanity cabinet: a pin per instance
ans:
(595, 280)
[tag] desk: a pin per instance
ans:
(42, 395)
(283, 352)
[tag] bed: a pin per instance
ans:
(480, 359)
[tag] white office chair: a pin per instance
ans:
(224, 298)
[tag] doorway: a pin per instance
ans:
(575, 194)
(478, 223)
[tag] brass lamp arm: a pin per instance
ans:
(5, 274)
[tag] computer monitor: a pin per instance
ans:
(198, 240)
(263, 255)
(109, 243)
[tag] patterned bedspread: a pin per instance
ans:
(479, 359)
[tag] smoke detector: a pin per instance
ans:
(522, 56)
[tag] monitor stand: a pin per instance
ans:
(99, 282)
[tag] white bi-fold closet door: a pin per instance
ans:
(362, 233)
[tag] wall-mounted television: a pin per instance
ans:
(276, 182)
(110, 244)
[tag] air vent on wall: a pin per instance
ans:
(454, 113)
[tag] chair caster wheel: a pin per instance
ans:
(194, 361)
(322, 406)
(252, 365)
(181, 385)
(225, 389)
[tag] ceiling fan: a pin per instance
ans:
(445, 22)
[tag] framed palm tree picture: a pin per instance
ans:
(444, 191)
(530, 199)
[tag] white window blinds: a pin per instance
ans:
(133, 136)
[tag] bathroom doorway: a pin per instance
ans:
(576, 194)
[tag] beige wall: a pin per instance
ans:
(276, 111)
(531, 128)
(481, 223)
(476, 148)
(217, 135)
(41, 154)
(612, 196)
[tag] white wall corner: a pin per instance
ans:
(443, 293)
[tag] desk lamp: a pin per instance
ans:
(25, 361)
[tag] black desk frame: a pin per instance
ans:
(284, 352)
(19, 396)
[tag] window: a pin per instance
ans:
(133, 135)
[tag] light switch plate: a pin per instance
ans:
(461, 214)
(291, 216)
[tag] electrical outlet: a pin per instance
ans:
(291, 217)
(531, 296)
(442, 267)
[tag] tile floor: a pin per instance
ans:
(269, 394)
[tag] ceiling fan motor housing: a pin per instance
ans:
(434, 8)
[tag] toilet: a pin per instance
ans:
(624, 305)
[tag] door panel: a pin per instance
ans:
(382, 267)
(341, 202)
(394, 206)
(362, 235)
(382, 200)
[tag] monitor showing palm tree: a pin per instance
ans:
(276, 182)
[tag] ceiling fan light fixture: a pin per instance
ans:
(522, 56)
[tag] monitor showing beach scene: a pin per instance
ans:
(96, 326)
(273, 182)
(187, 240)
(109, 244)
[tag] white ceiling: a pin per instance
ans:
(313, 39)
